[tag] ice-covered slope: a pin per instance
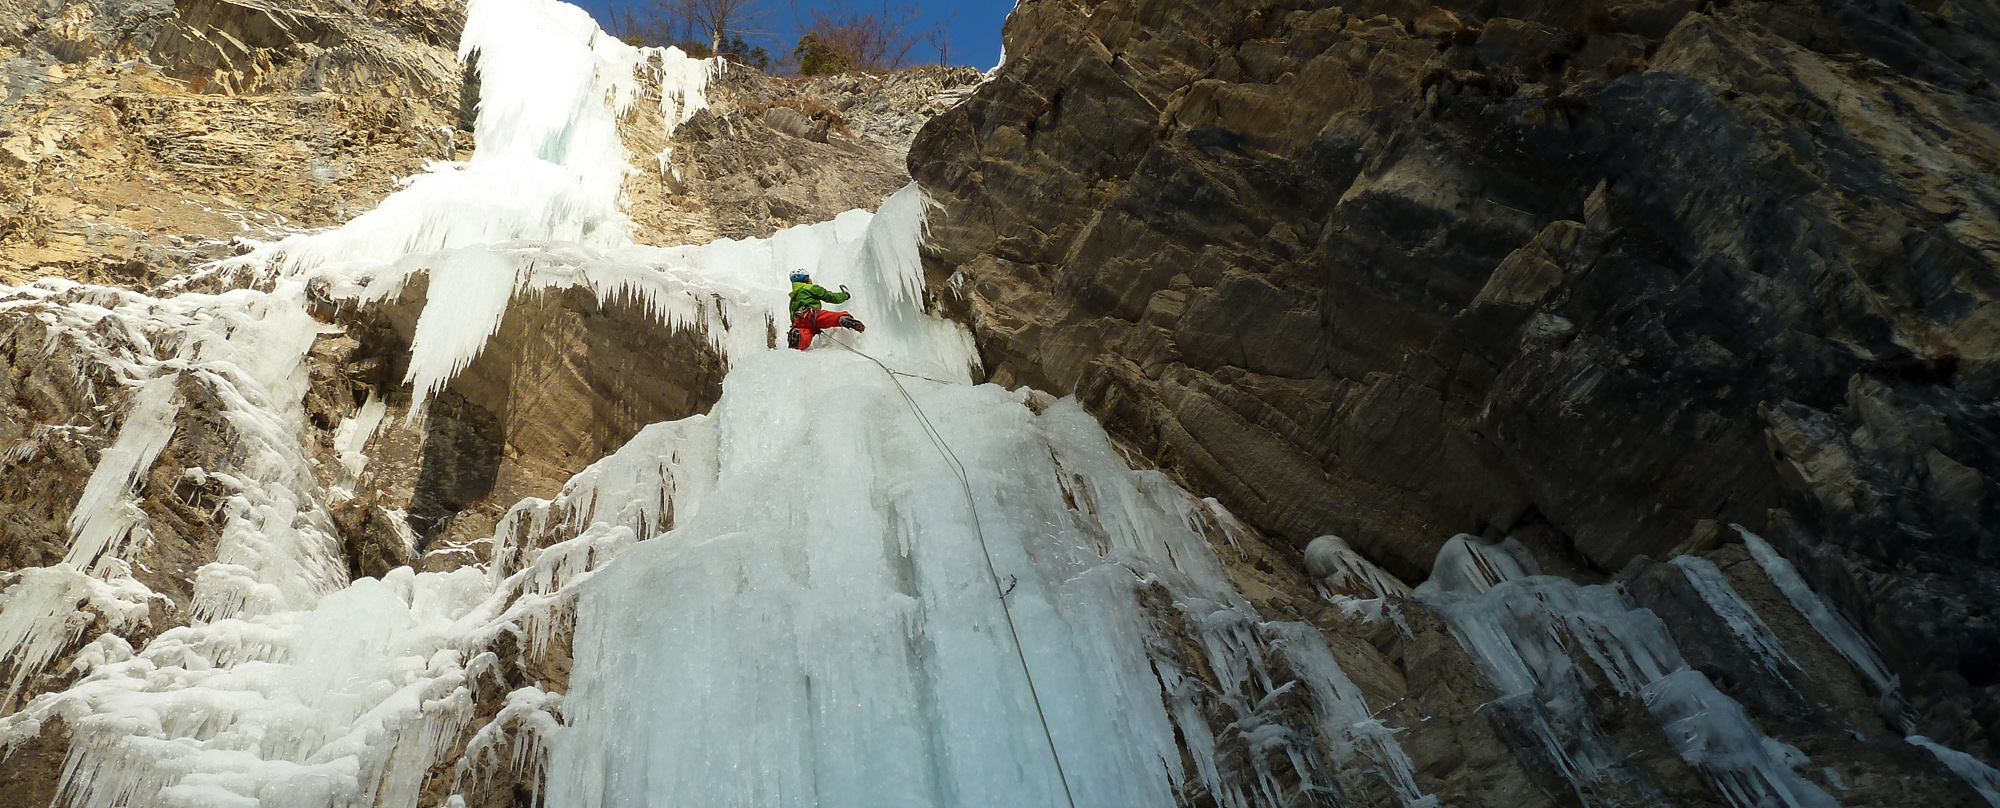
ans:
(280, 693)
(859, 580)
(823, 630)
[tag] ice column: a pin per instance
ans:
(1742, 620)
(1842, 635)
(549, 165)
(106, 515)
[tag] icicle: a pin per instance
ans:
(352, 437)
(435, 724)
(1344, 718)
(349, 704)
(1842, 635)
(472, 288)
(1467, 566)
(1861, 654)
(726, 290)
(1742, 620)
(536, 716)
(661, 475)
(39, 614)
(1981, 777)
(683, 82)
(1353, 583)
(1711, 732)
(1526, 635)
(171, 723)
(39, 609)
(105, 515)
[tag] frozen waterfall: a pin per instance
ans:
(859, 580)
(829, 604)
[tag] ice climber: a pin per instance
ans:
(808, 319)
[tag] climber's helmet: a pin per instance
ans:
(800, 276)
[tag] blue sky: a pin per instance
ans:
(974, 25)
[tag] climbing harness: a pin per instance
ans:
(957, 468)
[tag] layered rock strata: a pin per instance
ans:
(771, 153)
(1597, 277)
(138, 139)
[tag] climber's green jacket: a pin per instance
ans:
(808, 296)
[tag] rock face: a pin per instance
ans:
(1595, 276)
(890, 109)
(237, 46)
(138, 138)
(1604, 279)
(772, 153)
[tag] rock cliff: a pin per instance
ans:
(1600, 277)
(138, 138)
(1602, 281)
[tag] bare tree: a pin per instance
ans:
(714, 20)
(648, 24)
(939, 38)
(869, 39)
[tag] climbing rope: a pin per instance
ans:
(958, 468)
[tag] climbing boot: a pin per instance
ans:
(792, 338)
(848, 321)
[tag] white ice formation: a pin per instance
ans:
(1354, 584)
(828, 595)
(1542, 641)
(1742, 620)
(279, 690)
(1339, 568)
(841, 587)
(1867, 661)
(1468, 566)
(1983, 778)
(1833, 627)
(243, 349)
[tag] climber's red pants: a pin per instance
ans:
(812, 321)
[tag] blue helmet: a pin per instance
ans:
(800, 276)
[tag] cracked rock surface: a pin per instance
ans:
(1595, 276)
